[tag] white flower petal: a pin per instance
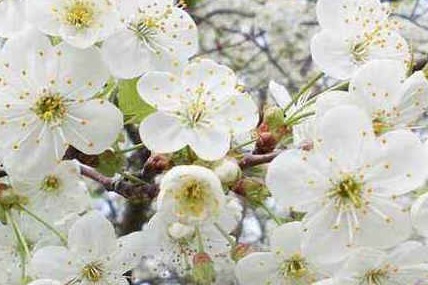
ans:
(209, 144)
(420, 215)
(162, 133)
(257, 268)
(54, 262)
(217, 79)
(128, 254)
(376, 86)
(346, 145)
(92, 237)
(92, 126)
(332, 54)
(385, 224)
(124, 55)
(280, 94)
(293, 180)
(287, 239)
(161, 90)
(81, 73)
(400, 168)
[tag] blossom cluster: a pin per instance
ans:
(113, 98)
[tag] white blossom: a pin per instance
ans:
(201, 109)
(81, 23)
(47, 103)
(284, 264)
(353, 33)
(154, 36)
(93, 255)
(405, 265)
(349, 183)
(382, 89)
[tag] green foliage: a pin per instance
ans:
(131, 104)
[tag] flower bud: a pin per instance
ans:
(158, 163)
(203, 269)
(228, 171)
(266, 143)
(240, 250)
(254, 191)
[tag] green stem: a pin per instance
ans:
(45, 224)
(135, 147)
(244, 144)
(271, 215)
(199, 239)
(24, 250)
(231, 241)
(296, 119)
(133, 178)
(303, 90)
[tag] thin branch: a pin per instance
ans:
(121, 186)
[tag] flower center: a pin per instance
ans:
(146, 30)
(348, 191)
(80, 14)
(380, 126)
(360, 52)
(50, 108)
(93, 271)
(295, 267)
(196, 110)
(50, 184)
(375, 277)
(195, 199)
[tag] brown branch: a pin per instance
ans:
(121, 186)
(251, 160)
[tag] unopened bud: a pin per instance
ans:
(254, 191)
(266, 143)
(228, 171)
(240, 251)
(203, 272)
(158, 163)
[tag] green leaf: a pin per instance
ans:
(110, 163)
(131, 104)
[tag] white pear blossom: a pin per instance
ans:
(193, 195)
(53, 196)
(349, 183)
(383, 90)
(353, 33)
(93, 255)
(405, 265)
(285, 263)
(12, 17)
(47, 103)
(173, 244)
(201, 109)
(420, 215)
(81, 23)
(155, 35)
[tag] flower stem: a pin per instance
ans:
(304, 89)
(135, 147)
(231, 241)
(271, 215)
(45, 224)
(244, 144)
(24, 250)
